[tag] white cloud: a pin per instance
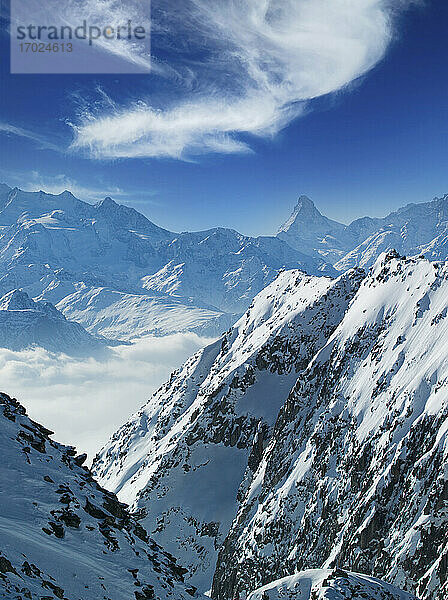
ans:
(85, 401)
(263, 61)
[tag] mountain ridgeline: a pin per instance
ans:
(62, 535)
(120, 276)
(312, 435)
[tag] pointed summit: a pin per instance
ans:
(306, 216)
(107, 202)
(305, 203)
(307, 230)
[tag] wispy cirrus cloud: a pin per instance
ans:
(261, 63)
(8, 129)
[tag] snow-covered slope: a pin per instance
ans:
(182, 458)
(63, 536)
(130, 316)
(25, 323)
(60, 249)
(356, 472)
(413, 229)
(324, 584)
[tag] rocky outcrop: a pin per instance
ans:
(62, 535)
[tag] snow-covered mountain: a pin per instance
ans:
(182, 458)
(121, 276)
(25, 323)
(116, 314)
(356, 473)
(82, 257)
(318, 423)
(62, 535)
(411, 230)
(308, 231)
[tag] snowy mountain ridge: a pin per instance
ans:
(25, 323)
(326, 584)
(188, 449)
(312, 435)
(121, 276)
(102, 263)
(356, 471)
(64, 537)
(411, 230)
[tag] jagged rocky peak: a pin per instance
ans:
(107, 202)
(63, 536)
(308, 231)
(355, 474)
(305, 206)
(306, 214)
(185, 458)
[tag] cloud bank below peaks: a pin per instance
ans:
(261, 62)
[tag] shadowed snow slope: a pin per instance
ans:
(25, 324)
(62, 536)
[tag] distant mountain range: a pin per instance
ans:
(411, 230)
(119, 275)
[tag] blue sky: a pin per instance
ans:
(232, 126)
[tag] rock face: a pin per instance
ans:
(312, 435)
(100, 263)
(320, 584)
(356, 472)
(62, 535)
(25, 323)
(182, 458)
